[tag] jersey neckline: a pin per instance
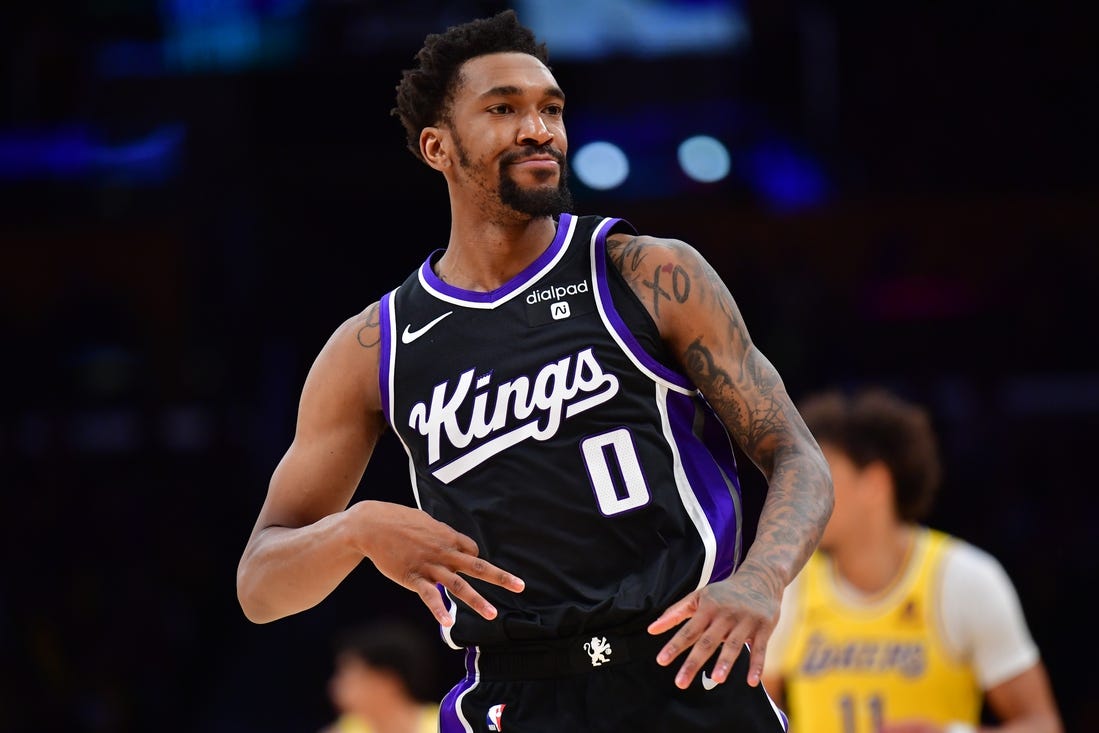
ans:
(431, 282)
(892, 594)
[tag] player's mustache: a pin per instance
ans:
(528, 153)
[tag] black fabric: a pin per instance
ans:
(531, 504)
(576, 655)
(635, 696)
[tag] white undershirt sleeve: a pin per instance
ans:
(982, 616)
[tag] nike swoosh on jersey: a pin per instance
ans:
(409, 335)
(707, 683)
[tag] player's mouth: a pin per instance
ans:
(537, 163)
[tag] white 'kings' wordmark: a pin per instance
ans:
(550, 398)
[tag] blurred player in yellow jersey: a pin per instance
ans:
(893, 627)
(383, 680)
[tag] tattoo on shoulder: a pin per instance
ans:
(668, 276)
(628, 255)
(668, 280)
(369, 333)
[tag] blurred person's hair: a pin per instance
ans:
(875, 424)
(396, 646)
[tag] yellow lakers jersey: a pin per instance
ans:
(428, 722)
(852, 664)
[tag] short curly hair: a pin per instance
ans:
(876, 424)
(425, 92)
(396, 645)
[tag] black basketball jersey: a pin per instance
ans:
(539, 420)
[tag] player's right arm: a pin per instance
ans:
(308, 538)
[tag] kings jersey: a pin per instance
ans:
(850, 665)
(544, 420)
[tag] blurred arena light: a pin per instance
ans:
(785, 177)
(704, 158)
(77, 151)
(585, 30)
(601, 165)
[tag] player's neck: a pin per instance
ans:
(878, 559)
(484, 254)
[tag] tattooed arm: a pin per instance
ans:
(703, 328)
(307, 539)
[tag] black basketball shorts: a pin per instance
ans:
(601, 684)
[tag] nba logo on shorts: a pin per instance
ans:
(495, 714)
(560, 310)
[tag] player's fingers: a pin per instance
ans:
(465, 544)
(476, 567)
(735, 641)
(674, 615)
(459, 588)
(730, 650)
(429, 594)
(704, 646)
(682, 640)
(758, 649)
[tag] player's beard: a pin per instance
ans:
(532, 202)
(537, 201)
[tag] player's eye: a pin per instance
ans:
(555, 109)
(499, 109)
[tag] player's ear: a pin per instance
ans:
(433, 146)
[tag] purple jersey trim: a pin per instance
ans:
(616, 321)
(713, 485)
(450, 719)
(385, 306)
(427, 273)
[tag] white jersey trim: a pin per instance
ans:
(686, 495)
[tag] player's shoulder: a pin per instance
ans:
(639, 252)
(359, 331)
(619, 239)
(352, 350)
(959, 549)
(968, 566)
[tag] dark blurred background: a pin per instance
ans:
(195, 193)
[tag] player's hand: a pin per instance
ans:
(722, 616)
(417, 551)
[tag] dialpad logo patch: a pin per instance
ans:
(558, 303)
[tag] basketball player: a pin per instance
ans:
(893, 627)
(566, 391)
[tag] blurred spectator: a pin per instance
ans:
(384, 679)
(892, 626)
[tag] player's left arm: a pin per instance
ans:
(983, 619)
(703, 328)
(1025, 703)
